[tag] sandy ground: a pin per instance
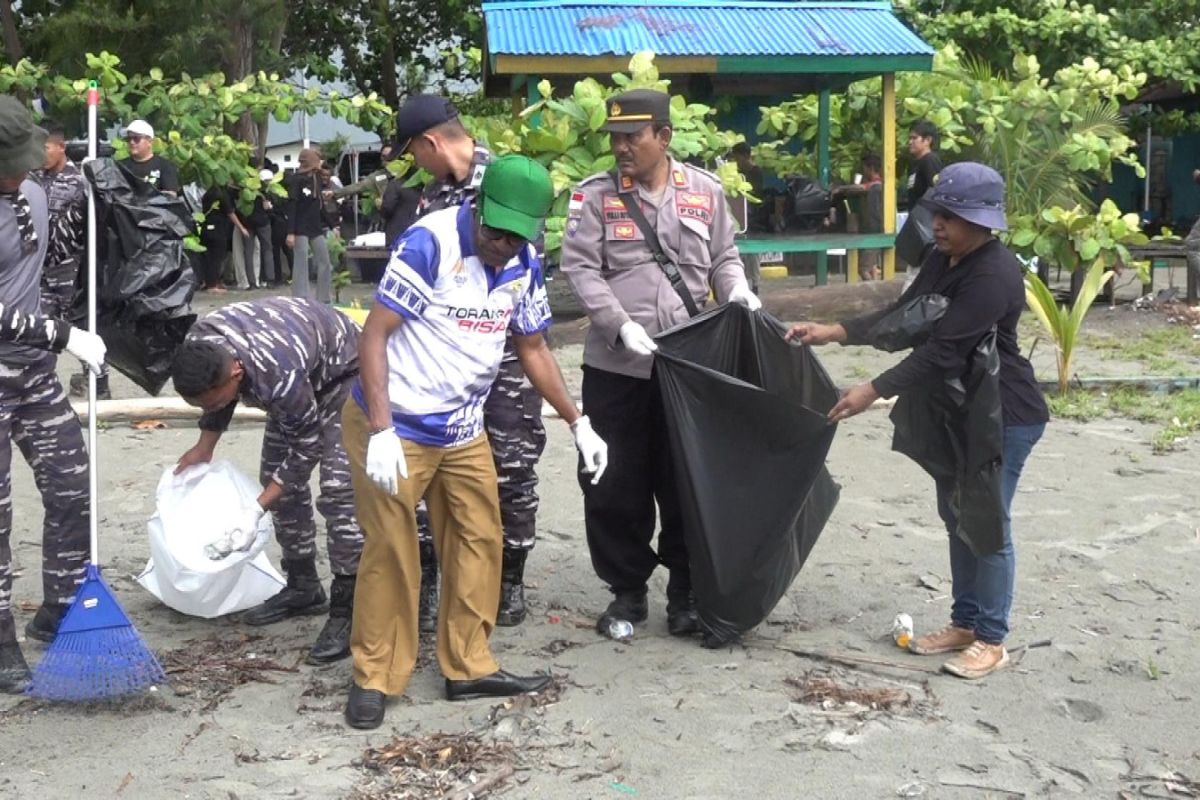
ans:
(1107, 546)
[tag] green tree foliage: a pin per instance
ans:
(1052, 138)
(1158, 37)
(189, 113)
(368, 42)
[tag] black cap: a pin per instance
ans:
(631, 111)
(419, 113)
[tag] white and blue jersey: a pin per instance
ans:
(443, 359)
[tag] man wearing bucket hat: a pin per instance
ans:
(34, 412)
(984, 284)
(612, 268)
(459, 282)
(428, 128)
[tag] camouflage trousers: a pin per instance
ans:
(512, 417)
(295, 524)
(36, 417)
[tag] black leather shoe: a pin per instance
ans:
(303, 596)
(44, 624)
(682, 619)
(498, 684)
(14, 672)
(628, 606)
(364, 708)
(333, 643)
(79, 386)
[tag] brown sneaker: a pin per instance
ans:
(978, 660)
(947, 640)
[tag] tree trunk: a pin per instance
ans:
(387, 58)
(280, 13)
(12, 42)
(239, 62)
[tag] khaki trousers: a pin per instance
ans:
(459, 487)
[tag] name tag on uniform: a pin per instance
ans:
(695, 205)
(614, 209)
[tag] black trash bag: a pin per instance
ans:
(914, 242)
(146, 281)
(808, 204)
(749, 437)
(954, 429)
(909, 325)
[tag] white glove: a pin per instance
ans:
(87, 347)
(635, 338)
(743, 296)
(385, 458)
(591, 446)
(239, 537)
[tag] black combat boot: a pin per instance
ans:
(333, 643)
(682, 619)
(512, 588)
(79, 386)
(44, 624)
(629, 605)
(303, 595)
(428, 610)
(14, 672)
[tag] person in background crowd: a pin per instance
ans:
(308, 226)
(153, 170)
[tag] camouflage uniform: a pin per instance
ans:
(299, 357)
(512, 416)
(35, 414)
(66, 195)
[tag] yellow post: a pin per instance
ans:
(852, 266)
(889, 171)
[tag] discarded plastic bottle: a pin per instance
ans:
(902, 630)
(619, 630)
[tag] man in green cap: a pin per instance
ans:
(631, 292)
(459, 281)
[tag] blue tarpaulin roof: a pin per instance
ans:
(697, 28)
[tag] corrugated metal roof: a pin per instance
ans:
(691, 28)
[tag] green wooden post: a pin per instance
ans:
(533, 96)
(823, 172)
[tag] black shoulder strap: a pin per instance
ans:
(665, 264)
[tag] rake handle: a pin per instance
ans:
(93, 107)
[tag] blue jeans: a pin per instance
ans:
(983, 585)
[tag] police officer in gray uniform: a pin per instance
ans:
(34, 411)
(428, 127)
(296, 359)
(628, 298)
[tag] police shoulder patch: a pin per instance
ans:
(703, 173)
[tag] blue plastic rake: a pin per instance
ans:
(96, 653)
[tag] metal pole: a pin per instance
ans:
(93, 103)
(1149, 156)
(304, 116)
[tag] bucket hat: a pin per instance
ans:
(972, 191)
(22, 144)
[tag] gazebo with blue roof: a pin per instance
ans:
(709, 49)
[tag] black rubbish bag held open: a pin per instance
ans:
(746, 418)
(146, 282)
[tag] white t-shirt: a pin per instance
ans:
(443, 359)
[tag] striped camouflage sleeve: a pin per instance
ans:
(32, 330)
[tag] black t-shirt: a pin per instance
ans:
(257, 218)
(216, 206)
(923, 173)
(156, 171)
(986, 288)
(304, 203)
